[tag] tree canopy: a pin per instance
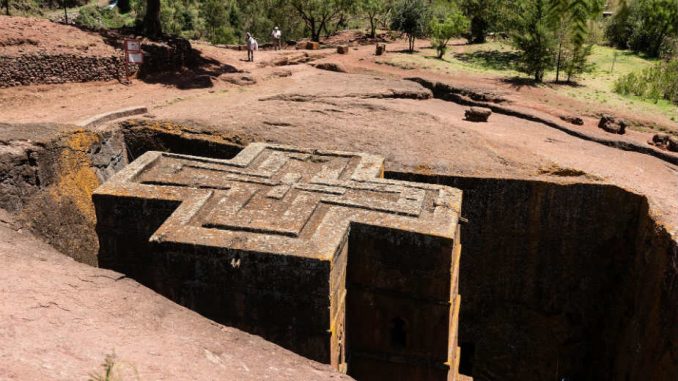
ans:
(645, 26)
(451, 23)
(412, 18)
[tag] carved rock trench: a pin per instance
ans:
(571, 281)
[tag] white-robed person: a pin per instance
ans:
(252, 45)
(276, 34)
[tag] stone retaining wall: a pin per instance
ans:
(58, 68)
(30, 69)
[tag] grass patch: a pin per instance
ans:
(492, 58)
(595, 87)
(113, 370)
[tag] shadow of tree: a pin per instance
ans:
(563, 83)
(169, 60)
(490, 59)
(518, 83)
(405, 51)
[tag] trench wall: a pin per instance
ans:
(49, 186)
(563, 282)
(48, 183)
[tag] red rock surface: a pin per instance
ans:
(59, 319)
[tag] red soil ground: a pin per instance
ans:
(21, 36)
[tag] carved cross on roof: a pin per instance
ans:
(282, 200)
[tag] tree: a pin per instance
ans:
(578, 63)
(124, 6)
(6, 4)
(443, 29)
(216, 18)
(644, 25)
(570, 19)
(374, 10)
(618, 30)
(412, 18)
(318, 14)
(534, 38)
(151, 23)
(482, 13)
(65, 4)
(653, 21)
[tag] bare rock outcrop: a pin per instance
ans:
(477, 114)
(573, 119)
(672, 144)
(331, 66)
(612, 125)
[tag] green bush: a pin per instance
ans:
(657, 82)
(92, 16)
(442, 29)
(411, 17)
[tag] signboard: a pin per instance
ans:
(133, 53)
(135, 58)
(132, 45)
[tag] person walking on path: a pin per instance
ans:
(252, 45)
(277, 38)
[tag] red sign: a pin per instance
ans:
(133, 53)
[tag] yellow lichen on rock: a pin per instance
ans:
(76, 176)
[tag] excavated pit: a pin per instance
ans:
(559, 281)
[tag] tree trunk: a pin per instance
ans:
(560, 53)
(65, 12)
(152, 26)
(7, 7)
(339, 24)
(373, 27)
(478, 30)
(410, 40)
(315, 34)
(124, 6)
(538, 76)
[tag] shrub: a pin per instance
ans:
(657, 82)
(412, 18)
(92, 16)
(443, 29)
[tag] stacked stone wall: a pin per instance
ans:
(58, 68)
(35, 68)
